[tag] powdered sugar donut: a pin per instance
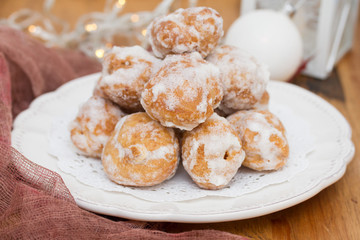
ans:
(184, 92)
(263, 137)
(97, 90)
(140, 152)
(125, 72)
(212, 153)
(186, 30)
(244, 79)
(94, 124)
(263, 103)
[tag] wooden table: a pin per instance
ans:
(334, 213)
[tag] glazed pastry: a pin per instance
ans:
(263, 137)
(212, 153)
(244, 79)
(94, 124)
(97, 90)
(186, 30)
(184, 92)
(263, 103)
(125, 72)
(140, 152)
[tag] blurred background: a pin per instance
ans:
(326, 28)
(71, 10)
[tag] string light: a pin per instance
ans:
(134, 18)
(99, 53)
(120, 3)
(33, 29)
(90, 27)
(104, 26)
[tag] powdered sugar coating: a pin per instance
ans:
(141, 152)
(263, 103)
(125, 72)
(94, 124)
(186, 30)
(263, 137)
(184, 92)
(244, 79)
(212, 153)
(97, 90)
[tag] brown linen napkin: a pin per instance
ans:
(34, 201)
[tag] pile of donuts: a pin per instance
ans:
(188, 100)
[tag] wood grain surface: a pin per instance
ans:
(334, 213)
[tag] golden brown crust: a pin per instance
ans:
(125, 72)
(97, 90)
(243, 78)
(263, 103)
(186, 30)
(141, 152)
(266, 148)
(212, 153)
(94, 124)
(177, 100)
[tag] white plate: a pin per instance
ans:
(327, 163)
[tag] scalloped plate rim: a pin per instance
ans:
(209, 217)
